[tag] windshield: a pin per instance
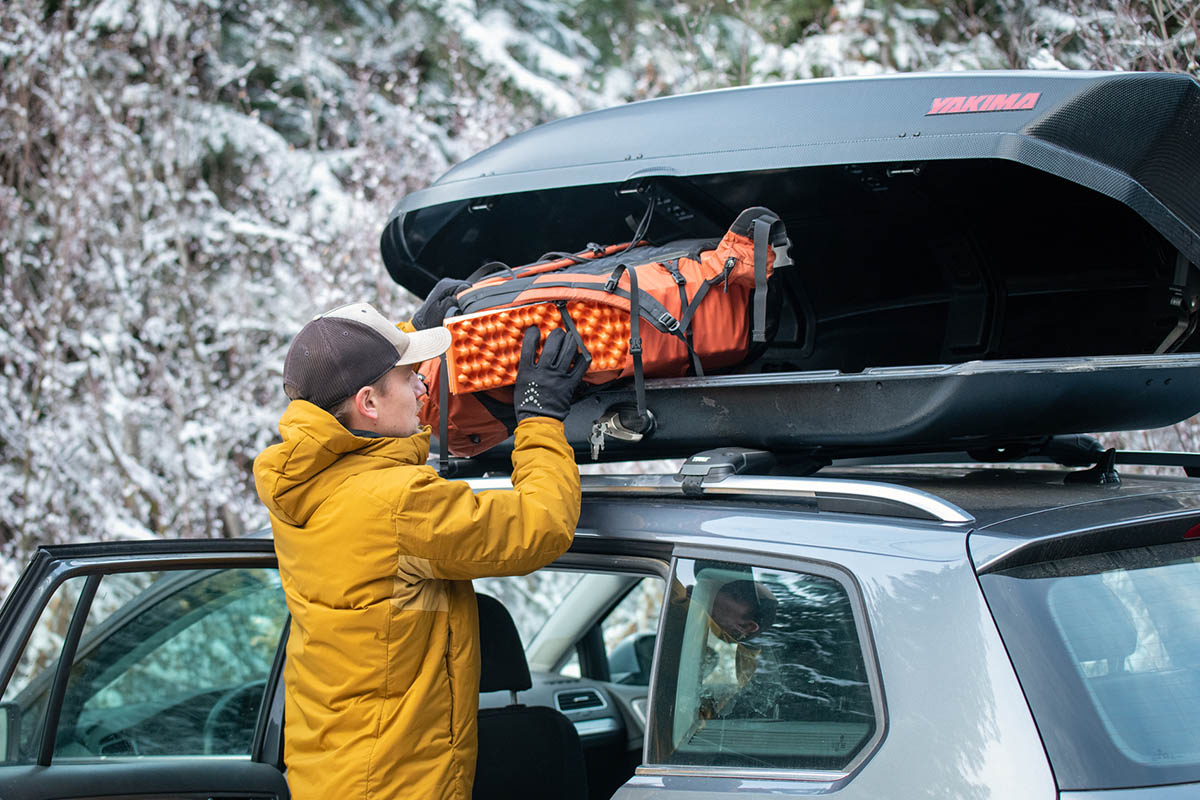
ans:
(1107, 648)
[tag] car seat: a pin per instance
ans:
(525, 752)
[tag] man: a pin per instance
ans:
(737, 611)
(742, 608)
(376, 552)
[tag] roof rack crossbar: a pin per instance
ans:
(766, 486)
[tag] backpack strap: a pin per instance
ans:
(490, 268)
(672, 266)
(443, 418)
(635, 332)
(762, 243)
(569, 325)
(685, 319)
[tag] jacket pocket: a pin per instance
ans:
(449, 662)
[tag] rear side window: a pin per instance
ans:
(1107, 648)
(762, 668)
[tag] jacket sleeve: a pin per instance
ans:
(447, 531)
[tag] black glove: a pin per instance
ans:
(544, 389)
(441, 299)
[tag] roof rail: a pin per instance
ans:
(767, 486)
(1188, 462)
(1077, 450)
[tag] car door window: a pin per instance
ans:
(629, 633)
(530, 599)
(169, 663)
(762, 668)
(27, 692)
(558, 612)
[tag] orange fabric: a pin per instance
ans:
(485, 348)
(472, 428)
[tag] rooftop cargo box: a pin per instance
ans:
(980, 259)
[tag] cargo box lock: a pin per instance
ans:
(620, 422)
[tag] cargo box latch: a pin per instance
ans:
(621, 422)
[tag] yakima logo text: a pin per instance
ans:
(983, 102)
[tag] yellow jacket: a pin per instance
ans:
(376, 553)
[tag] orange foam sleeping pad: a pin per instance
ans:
(485, 346)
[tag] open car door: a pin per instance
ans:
(143, 669)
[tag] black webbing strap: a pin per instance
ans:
(569, 325)
(490, 268)
(443, 417)
(685, 321)
(635, 344)
(644, 225)
(560, 255)
(635, 332)
(762, 241)
(672, 266)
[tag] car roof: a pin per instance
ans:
(999, 496)
(1013, 514)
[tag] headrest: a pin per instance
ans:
(1093, 621)
(502, 658)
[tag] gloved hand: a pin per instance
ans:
(440, 300)
(544, 388)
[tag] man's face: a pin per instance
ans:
(735, 616)
(398, 404)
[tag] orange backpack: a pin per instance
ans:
(695, 304)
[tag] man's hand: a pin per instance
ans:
(544, 388)
(441, 299)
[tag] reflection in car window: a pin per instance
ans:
(170, 663)
(761, 668)
(29, 687)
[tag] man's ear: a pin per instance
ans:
(365, 403)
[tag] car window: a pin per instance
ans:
(170, 663)
(27, 690)
(530, 599)
(629, 631)
(572, 621)
(1107, 647)
(761, 668)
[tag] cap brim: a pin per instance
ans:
(424, 345)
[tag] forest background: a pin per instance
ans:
(183, 183)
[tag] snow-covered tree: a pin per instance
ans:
(184, 182)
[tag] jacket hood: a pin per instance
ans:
(294, 477)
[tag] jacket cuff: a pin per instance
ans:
(557, 423)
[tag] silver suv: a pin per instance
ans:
(883, 558)
(881, 632)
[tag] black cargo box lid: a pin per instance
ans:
(946, 230)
